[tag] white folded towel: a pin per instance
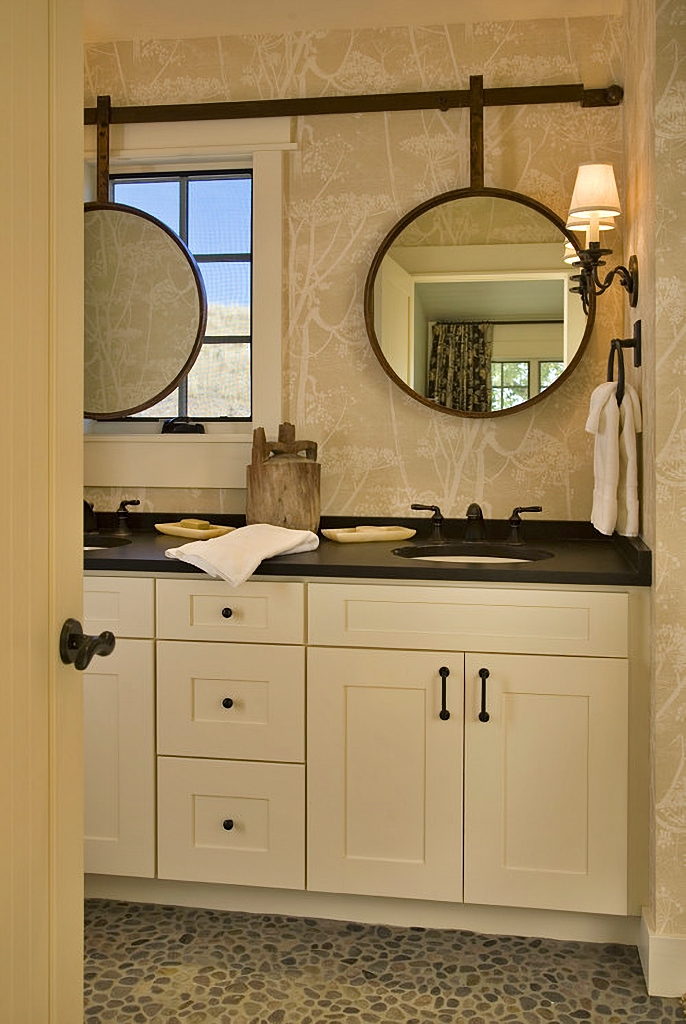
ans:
(235, 556)
(615, 492)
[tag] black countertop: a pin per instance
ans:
(580, 555)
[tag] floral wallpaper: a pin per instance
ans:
(669, 611)
(351, 179)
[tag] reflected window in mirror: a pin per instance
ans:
(212, 214)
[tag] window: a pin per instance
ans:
(212, 214)
(548, 371)
(509, 384)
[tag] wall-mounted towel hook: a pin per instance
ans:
(617, 345)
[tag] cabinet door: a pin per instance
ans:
(384, 773)
(546, 783)
(119, 756)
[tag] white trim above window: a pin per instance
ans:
(125, 459)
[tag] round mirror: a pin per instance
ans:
(468, 304)
(145, 311)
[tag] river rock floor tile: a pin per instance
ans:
(180, 965)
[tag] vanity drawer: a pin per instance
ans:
(213, 610)
(489, 619)
(124, 605)
(239, 701)
(236, 822)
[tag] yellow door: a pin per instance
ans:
(40, 462)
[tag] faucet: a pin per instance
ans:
(474, 529)
(515, 523)
(436, 522)
(90, 523)
(123, 528)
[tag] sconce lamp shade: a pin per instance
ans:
(595, 193)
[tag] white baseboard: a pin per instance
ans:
(403, 913)
(663, 958)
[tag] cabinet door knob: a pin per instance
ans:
(227, 702)
(444, 714)
(227, 613)
(227, 824)
(483, 714)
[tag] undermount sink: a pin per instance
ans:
(95, 543)
(474, 552)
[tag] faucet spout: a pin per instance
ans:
(475, 523)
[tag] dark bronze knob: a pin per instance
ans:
(227, 702)
(227, 824)
(227, 613)
(77, 649)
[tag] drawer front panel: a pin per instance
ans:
(433, 618)
(213, 610)
(239, 701)
(236, 822)
(123, 605)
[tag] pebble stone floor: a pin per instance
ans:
(186, 966)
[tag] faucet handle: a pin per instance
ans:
(515, 521)
(436, 520)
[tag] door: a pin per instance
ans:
(546, 782)
(384, 773)
(40, 460)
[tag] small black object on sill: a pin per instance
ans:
(182, 425)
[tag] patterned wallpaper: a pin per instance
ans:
(351, 179)
(669, 696)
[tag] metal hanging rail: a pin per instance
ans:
(445, 100)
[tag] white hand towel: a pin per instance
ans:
(627, 488)
(603, 421)
(615, 492)
(235, 556)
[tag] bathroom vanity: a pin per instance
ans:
(349, 722)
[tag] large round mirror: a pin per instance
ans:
(145, 311)
(468, 304)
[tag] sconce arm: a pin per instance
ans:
(589, 282)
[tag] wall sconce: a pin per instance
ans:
(595, 204)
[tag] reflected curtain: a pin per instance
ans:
(460, 365)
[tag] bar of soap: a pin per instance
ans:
(195, 524)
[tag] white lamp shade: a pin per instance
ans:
(595, 193)
(570, 254)
(605, 224)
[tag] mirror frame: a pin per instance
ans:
(391, 237)
(202, 321)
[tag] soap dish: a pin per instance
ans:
(365, 534)
(196, 531)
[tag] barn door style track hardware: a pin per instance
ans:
(476, 98)
(443, 100)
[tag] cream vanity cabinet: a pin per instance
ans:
(544, 782)
(231, 732)
(119, 729)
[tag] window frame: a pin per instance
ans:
(134, 453)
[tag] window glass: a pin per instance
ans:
(212, 214)
(509, 384)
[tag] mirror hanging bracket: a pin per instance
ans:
(103, 116)
(476, 131)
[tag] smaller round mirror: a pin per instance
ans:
(468, 304)
(145, 311)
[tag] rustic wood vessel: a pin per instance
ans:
(283, 481)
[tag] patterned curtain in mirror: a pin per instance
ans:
(460, 366)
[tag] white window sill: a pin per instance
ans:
(166, 460)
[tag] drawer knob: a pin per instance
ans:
(227, 824)
(227, 702)
(227, 613)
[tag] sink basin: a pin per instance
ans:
(474, 552)
(95, 543)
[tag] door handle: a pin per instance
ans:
(77, 649)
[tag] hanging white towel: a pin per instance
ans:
(235, 556)
(615, 492)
